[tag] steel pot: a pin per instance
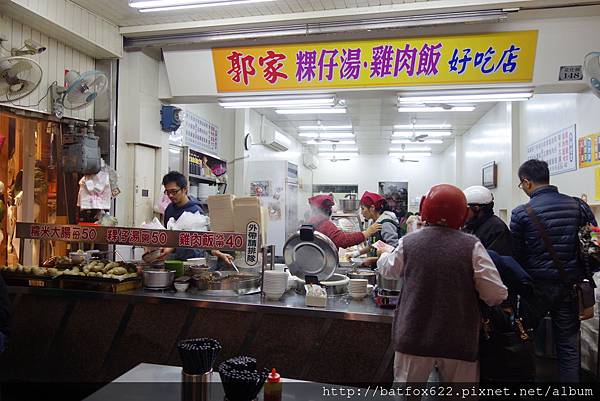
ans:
(157, 278)
(388, 284)
(349, 205)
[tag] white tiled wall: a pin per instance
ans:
(54, 61)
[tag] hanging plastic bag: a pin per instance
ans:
(189, 222)
(161, 204)
(155, 224)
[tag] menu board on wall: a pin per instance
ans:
(558, 150)
(589, 150)
(199, 134)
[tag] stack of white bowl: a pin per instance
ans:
(357, 288)
(275, 284)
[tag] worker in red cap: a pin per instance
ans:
(321, 209)
(445, 274)
(374, 207)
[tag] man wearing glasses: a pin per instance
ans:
(176, 189)
(560, 217)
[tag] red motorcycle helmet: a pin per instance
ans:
(444, 205)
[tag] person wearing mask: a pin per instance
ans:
(320, 219)
(445, 273)
(375, 208)
(484, 224)
(176, 188)
(560, 217)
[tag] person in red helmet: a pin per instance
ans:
(321, 209)
(445, 273)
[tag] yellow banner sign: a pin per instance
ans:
(589, 150)
(466, 59)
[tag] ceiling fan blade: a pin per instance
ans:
(421, 137)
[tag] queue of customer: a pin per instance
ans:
(450, 280)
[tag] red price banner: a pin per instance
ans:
(133, 236)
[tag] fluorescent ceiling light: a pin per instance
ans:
(155, 6)
(466, 98)
(338, 155)
(330, 142)
(423, 126)
(332, 110)
(406, 141)
(277, 101)
(326, 134)
(168, 3)
(424, 109)
(337, 150)
(412, 149)
(324, 127)
(409, 134)
(403, 154)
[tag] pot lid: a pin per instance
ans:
(310, 252)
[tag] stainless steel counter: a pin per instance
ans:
(291, 303)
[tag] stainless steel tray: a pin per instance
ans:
(241, 286)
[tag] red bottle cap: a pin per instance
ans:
(274, 377)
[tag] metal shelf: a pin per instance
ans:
(207, 180)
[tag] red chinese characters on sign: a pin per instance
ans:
(272, 64)
(34, 231)
(123, 236)
(44, 232)
(146, 236)
(135, 236)
(112, 235)
(242, 67)
(219, 241)
(196, 240)
(185, 239)
(208, 241)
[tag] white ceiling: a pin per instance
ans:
(372, 115)
(119, 12)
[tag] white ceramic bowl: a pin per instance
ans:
(358, 296)
(273, 296)
(181, 287)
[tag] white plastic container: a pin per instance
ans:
(319, 301)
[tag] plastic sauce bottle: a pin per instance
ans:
(273, 387)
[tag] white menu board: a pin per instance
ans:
(199, 134)
(559, 150)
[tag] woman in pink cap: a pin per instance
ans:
(321, 208)
(375, 208)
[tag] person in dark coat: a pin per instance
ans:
(561, 217)
(484, 224)
(504, 356)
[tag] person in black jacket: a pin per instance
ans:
(561, 217)
(484, 224)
